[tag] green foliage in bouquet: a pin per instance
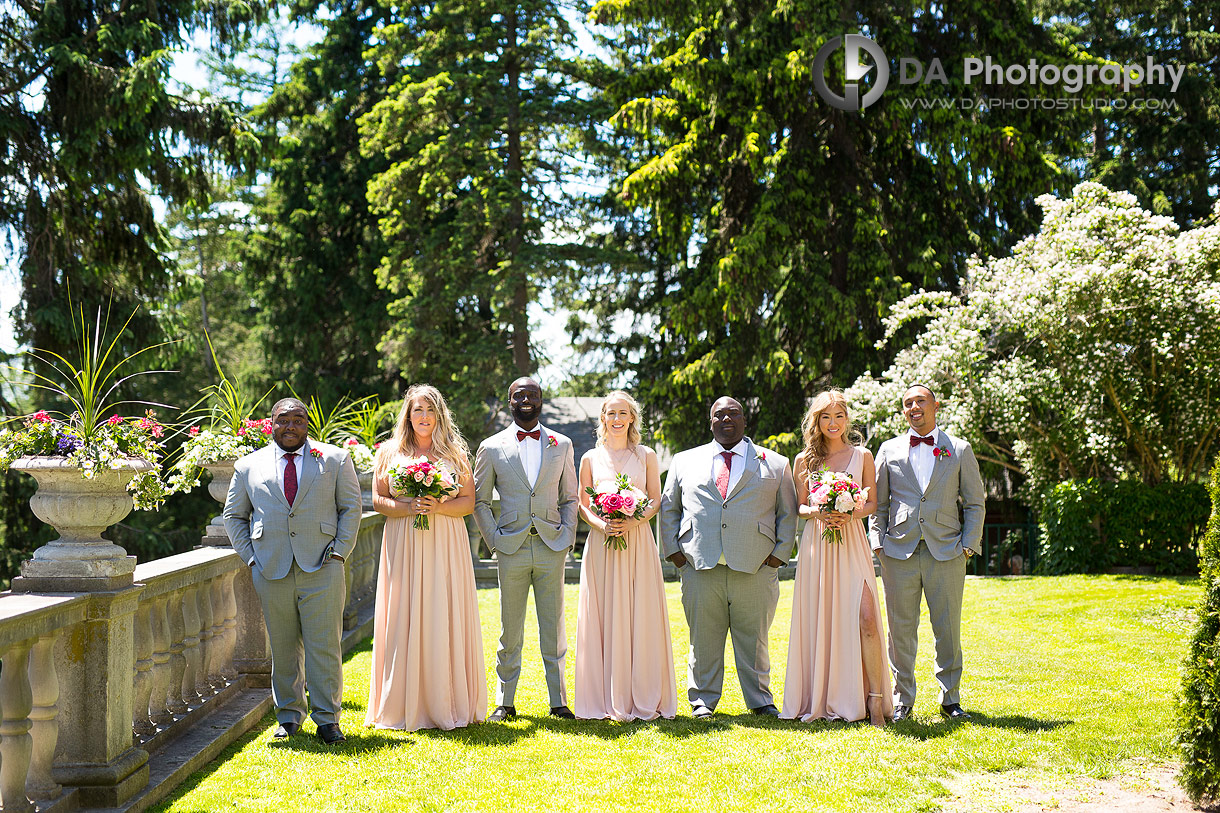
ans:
(1199, 703)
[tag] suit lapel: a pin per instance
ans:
(307, 471)
(269, 464)
(748, 474)
(512, 451)
(550, 454)
(939, 468)
(904, 460)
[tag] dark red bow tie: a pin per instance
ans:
(536, 434)
(916, 440)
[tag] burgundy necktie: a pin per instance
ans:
(290, 477)
(522, 435)
(722, 478)
(916, 440)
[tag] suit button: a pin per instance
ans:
(533, 515)
(724, 526)
(921, 519)
(921, 499)
(291, 516)
(294, 533)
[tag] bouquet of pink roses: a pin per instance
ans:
(835, 491)
(617, 499)
(420, 477)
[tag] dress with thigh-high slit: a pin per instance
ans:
(825, 677)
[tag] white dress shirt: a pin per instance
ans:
(735, 470)
(281, 465)
(531, 452)
(921, 457)
(739, 463)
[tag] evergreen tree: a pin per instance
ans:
(474, 205)
(783, 225)
(311, 270)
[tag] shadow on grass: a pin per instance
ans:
(933, 728)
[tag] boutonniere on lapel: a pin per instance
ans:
(941, 451)
(317, 454)
(551, 442)
(762, 457)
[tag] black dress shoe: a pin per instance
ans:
(285, 730)
(768, 710)
(331, 734)
(901, 713)
(702, 713)
(563, 713)
(954, 711)
(502, 713)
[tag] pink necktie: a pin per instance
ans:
(290, 477)
(722, 477)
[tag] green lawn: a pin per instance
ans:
(1064, 676)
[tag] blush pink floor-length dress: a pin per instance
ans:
(825, 675)
(428, 669)
(624, 655)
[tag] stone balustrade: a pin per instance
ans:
(109, 699)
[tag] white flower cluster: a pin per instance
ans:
(1093, 350)
(362, 456)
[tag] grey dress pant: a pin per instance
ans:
(532, 565)
(304, 614)
(721, 600)
(942, 585)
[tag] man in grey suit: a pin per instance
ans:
(728, 522)
(923, 543)
(532, 470)
(293, 511)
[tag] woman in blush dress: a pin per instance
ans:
(624, 656)
(836, 664)
(428, 669)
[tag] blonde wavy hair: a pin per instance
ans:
(633, 431)
(815, 442)
(447, 442)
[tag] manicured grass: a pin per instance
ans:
(1064, 676)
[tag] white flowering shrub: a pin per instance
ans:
(1092, 351)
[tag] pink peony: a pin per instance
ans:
(820, 495)
(628, 503)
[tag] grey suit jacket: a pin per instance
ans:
(324, 517)
(550, 505)
(756, 520)
(905, 514)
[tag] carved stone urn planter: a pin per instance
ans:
(366, 488)
(79, 509)
(215, 534)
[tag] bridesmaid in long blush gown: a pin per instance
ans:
(836, 664)
(428, 669)
(624, 656)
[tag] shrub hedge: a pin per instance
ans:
(1089, 526)
(1199, 703)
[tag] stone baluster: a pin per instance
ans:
(219, 645)
(44, 713)
(16, 745)
(228, 592)
(207, 652)
(162, 672)
(191, 651)
(177, 703)
(142, 726)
